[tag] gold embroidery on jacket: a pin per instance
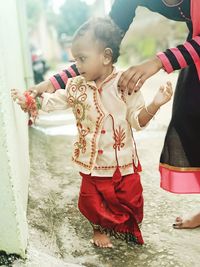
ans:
(77, 96)
(81, 144)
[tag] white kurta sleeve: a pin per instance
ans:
(55, 101)
(135, 102)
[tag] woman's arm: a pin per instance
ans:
(57, 81)
(123, 12)
(170, 60)
(181, 56)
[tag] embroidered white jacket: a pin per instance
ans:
(104, 118)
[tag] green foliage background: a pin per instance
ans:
(139, 43)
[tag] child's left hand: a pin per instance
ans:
(163, 95)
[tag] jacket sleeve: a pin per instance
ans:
(59, 80)
(135, 102)
(123, 12)
(182, 55)
(55, 101)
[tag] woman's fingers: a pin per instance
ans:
(132, 80)
(133, 83)
(125, 78)
(140, 83)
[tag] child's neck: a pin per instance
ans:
(106, 72)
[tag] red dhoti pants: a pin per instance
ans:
(113, 208)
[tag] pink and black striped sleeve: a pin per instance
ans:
(182, 55)
(59, 80)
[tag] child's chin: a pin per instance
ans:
(84, 76)
(88, 79)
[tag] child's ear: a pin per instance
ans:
(108, 54)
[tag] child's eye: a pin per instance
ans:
(82, 59)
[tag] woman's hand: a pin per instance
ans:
(163, 95)
(133, 78)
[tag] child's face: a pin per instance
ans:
(89, 57)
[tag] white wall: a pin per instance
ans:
(15, 72)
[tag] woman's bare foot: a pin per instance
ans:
(191, 223)
(101, 240)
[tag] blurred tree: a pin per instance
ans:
(72, 14)
(144, 42)
(34, 10)
(37, 8)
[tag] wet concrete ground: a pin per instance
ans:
(59, 234)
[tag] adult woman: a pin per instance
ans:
(180, 159)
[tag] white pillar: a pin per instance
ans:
(14, 156)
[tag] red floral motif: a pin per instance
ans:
(119, 136)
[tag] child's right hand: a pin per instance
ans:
(163, 95)
(19, 99)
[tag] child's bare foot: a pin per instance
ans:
(101, 240)
(191, 223)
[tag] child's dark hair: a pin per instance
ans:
(105, 31)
